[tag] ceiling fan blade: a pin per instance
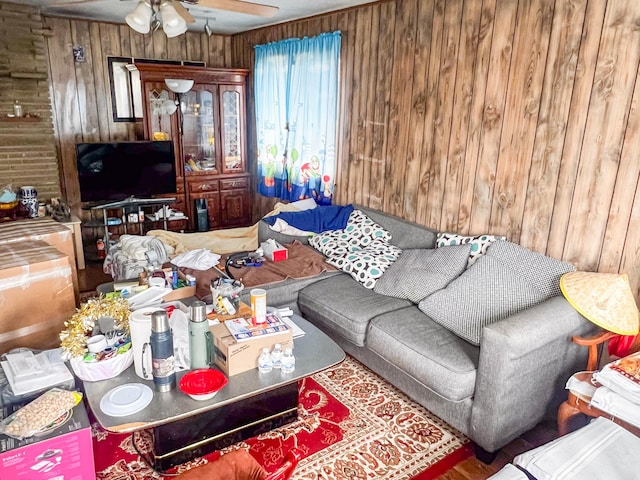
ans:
(240, 7)
(183, 12)
(70, 3)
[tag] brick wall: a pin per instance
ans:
(27, 148)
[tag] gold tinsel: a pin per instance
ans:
(73, 339)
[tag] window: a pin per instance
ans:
(296, 101)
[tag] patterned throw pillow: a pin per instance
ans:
(359, 232)
(479, 243)
(421, 272)
(361, 249)
(508, 279)
(367, 265)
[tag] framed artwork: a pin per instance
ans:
(126, 91)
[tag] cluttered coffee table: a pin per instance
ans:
(250, 403)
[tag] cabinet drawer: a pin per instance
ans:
(204, 186)
(232, 183)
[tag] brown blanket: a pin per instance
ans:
(302, 262)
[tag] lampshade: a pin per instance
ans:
(140, 18)
(170, 17)
(605, 299)
(171, 32)
(179, 85)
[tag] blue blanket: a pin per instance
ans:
(317, 220)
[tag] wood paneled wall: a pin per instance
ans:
(513, 117)
(81, 97)
(27, 146)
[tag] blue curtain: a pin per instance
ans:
(296, 101)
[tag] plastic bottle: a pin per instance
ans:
(265, 362)
(288, 361)
(17, 109)
(276, 355)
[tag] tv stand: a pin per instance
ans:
(128, 206)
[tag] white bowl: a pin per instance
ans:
(204, 396)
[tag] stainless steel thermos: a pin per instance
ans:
(200, 339)
(162, 360)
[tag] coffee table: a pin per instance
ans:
(251, 403)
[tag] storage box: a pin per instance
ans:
(64, 451)
(274, 251)
(236, 357)
(47, 230)
(36, 295)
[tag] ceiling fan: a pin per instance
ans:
(146, 16)
(237, 6)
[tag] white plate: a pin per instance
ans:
(126, 399)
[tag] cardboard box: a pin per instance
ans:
(179, 293)
(47, 230)
(62, 452)
(36, 295)
(236, 357)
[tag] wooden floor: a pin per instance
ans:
(473, 469)
(470, 469)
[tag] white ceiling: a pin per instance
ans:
(224, 23)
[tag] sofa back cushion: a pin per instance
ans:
(404, 234)
(420, 272)
(265, 232)
(507, 279)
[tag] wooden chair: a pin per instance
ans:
(576, 403)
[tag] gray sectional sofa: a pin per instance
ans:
(492, 392)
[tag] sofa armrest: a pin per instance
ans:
(524, 363)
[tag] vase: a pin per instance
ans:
(28, 197)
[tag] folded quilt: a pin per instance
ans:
(317, 220)
(611, 402)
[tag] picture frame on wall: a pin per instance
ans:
(125, 87)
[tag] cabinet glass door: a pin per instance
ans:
(232, 132)
(161, 107)
(198, 137)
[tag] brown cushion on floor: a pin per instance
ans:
(236, 465)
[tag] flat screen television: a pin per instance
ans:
(118, 170)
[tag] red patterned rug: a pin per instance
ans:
(351, 425)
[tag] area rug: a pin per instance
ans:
(351, 425)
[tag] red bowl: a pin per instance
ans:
(203, 383)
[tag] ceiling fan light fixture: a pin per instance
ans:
(178, 85)
(140, 18)
(207, 29)
(171, 32)
(170, 17)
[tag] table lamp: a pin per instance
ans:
(606, 300)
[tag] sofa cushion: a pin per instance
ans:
(265, 233)
(404, 234)
(508, 279)
(344, 306)
(426, 351)
(479, 243)
(420, 272)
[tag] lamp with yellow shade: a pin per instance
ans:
(606, 300)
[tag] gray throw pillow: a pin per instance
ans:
(507, 279)
(420, 272)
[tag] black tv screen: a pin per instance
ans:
(118, 170)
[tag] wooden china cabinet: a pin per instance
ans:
(209, 134)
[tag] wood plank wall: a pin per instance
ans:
(81, 97)
(513, 117)
(27, 148)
